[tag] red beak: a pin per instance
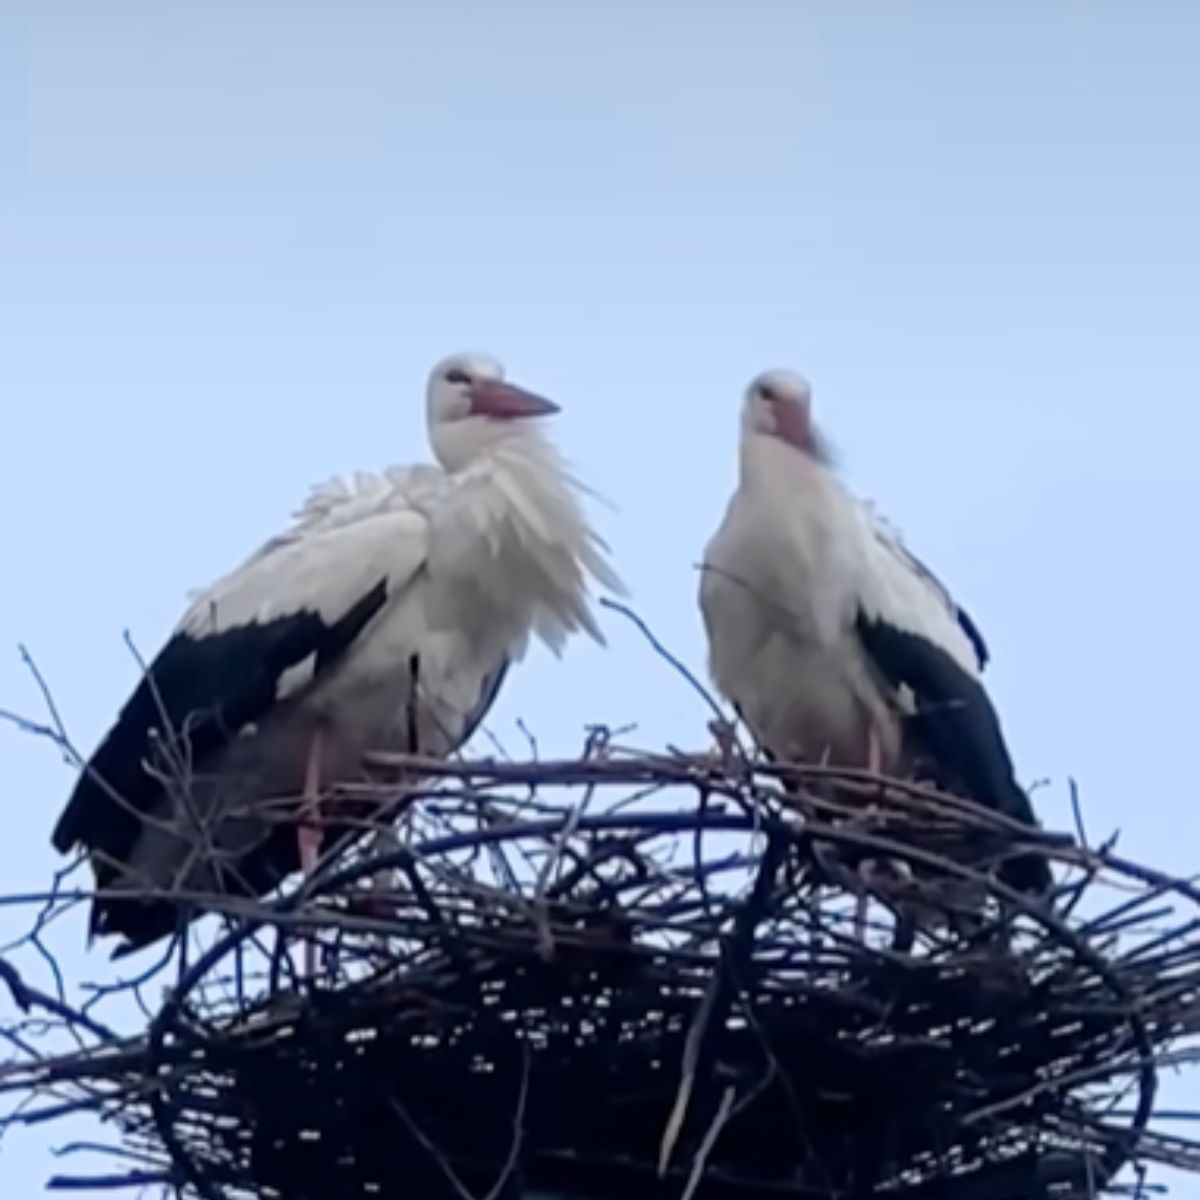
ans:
(504, 401)
(794, 426)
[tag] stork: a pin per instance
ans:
(832, 640)
(385, 617)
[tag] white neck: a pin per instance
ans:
(458, 444)
(522, 497)
(767, 460)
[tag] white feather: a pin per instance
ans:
(296, 678)
(325, 571)
(795, 562)
(899, 589)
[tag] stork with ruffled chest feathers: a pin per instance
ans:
(385, 617)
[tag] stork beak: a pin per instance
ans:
(794, 426)
(504, 401)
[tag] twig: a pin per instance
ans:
(26, 998)
(709, 1141)
(676, 663)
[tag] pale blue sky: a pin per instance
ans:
(234, 237)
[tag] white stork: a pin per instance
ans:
(385, 617)
(833, 641)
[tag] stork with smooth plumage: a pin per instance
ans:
(384, 618)
(832, 640)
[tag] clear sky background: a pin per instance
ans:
(234, 237)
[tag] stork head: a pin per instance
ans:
(778, 404)
(471, 408)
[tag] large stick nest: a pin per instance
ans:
(634, 975)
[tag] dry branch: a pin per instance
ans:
(637, 975)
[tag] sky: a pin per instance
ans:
(235, 237)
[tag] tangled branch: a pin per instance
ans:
(648, 974)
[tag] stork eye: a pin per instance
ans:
(457, 375)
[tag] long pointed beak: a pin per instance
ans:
(504, 401)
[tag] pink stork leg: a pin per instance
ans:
(308, 832)
(874, 751)
(874, 765)
(860, 904)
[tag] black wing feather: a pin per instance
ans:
(956, 729)
(208, 687)
(890, 539)
(974, 636)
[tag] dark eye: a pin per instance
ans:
(767, 392)
(457, 375)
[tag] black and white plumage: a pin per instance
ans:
(833, 641)
(384, 618)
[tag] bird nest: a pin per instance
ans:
(631, 975)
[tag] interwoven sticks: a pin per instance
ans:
(659, 975)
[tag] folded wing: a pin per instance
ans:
(248, 643)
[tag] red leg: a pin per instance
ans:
(308, 832)
(867, 866)
(874, 752)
